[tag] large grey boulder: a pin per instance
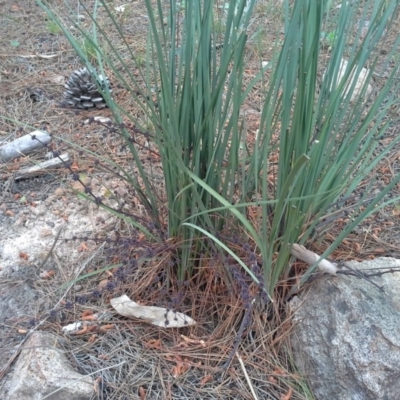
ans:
(42, 371)
(346, 335)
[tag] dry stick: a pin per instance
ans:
(311, 258)
(38, 169)
(247, 376)
(24, 145)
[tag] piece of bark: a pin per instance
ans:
(158, 316)
(42, 167)
(24, 145)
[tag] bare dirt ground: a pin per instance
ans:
(39, 283)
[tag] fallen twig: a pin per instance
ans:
(311, 258)
(247, 376)
(24, 145)
(329, 267)
(39, 168)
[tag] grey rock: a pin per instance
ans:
(18, 302)
(42, 371)
(346, 335)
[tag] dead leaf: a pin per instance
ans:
(15, 8)
(278, 371)
(86, 313)
(92, 338)
(376, 230)
(379, 250)
(103, 284)
(193, 341)
(98, 385)
(175, 372)
(153, 344)
(107, 327)
(142, 393)
(388, 223)
(205, 380)
(93, 328)
(82, 331)
(288, 395)
(47, 274)
(74, 167)
(272, 379)
(83, 247)
(158, 316)
(23, 255)
(180, 369)
(93, 317)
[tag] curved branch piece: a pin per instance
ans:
(311, 258)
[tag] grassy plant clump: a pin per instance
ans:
(316, 143)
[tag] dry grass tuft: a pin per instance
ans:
(133, 358)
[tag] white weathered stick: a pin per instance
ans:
(41, 167)
(247, 376)
(311, 258)
(24, 145)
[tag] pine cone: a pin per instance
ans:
(81, 90)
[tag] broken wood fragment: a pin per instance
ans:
(42, 167)
(311, 258)
(24, 145)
